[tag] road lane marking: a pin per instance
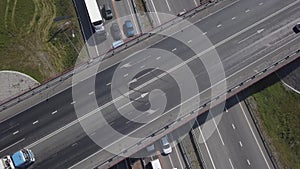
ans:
(177, 154)
(12, 145)
(54, 112)
(155, 11)
(248, 10)
(216, 128)
(91, 93)
(16, 132)
(230, 163)
(189, 41)
(133, 81)
(212, 161)
(240, 143)
(35, 122)
(73, 102)
(133, 17)
(256, 33)
(142, 66)
(171, 161)
(74, 144)
(248, 161)
(126, 75)
(260, 4)
(158, 58)
(252, 131)
(233, 18)
(108, 84)
(204, 33)
(168, 5)
(174, 49)
(195, 3)
(219, 25)
(233, 126)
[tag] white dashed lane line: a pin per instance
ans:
(54, 112)
(16, 132)
(108, 84)
(92, 92)
(158, 58)
(233, 18)
(233, 126)
(219, 25)
(174, 49)
(189, 41)
(260, 4)
(230, 163)
(35, 122)
(248, 10)
(73, 102)
(240, 143)
(248, 161)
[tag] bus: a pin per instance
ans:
(95, 16)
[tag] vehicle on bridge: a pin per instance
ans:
(20, 159)
(95, 16)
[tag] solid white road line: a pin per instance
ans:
(212, 161)
(195, 3)
(168, 5)
(257, 32)
(12, 145)
(172, 165)
(252, 132)
(217, 128)
(230, 163)
(177, 154)
(133, 17)
(155, 11)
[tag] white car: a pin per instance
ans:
(167, 149)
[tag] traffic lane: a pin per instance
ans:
(211, 145)
(240, 125)
(160, 7)
(218, 26)
(83, 19)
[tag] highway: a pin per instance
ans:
(235, 142)
(232, 28)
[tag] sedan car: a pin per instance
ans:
(296, 28)
(128, 28)
(167, 149)
(115, 31)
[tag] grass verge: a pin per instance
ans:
(25, 30)
(279, 112)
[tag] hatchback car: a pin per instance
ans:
(167, 149)
(296, 28)
(115, 31)
(107, 12)
(128, 28)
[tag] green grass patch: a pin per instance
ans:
(279, 110)
(24, 13)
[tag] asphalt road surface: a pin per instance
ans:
(247, 35)
(235, 142)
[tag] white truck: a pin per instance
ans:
(155, 164)
(95, 16)
(20, 159)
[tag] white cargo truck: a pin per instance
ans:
(95, 16)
